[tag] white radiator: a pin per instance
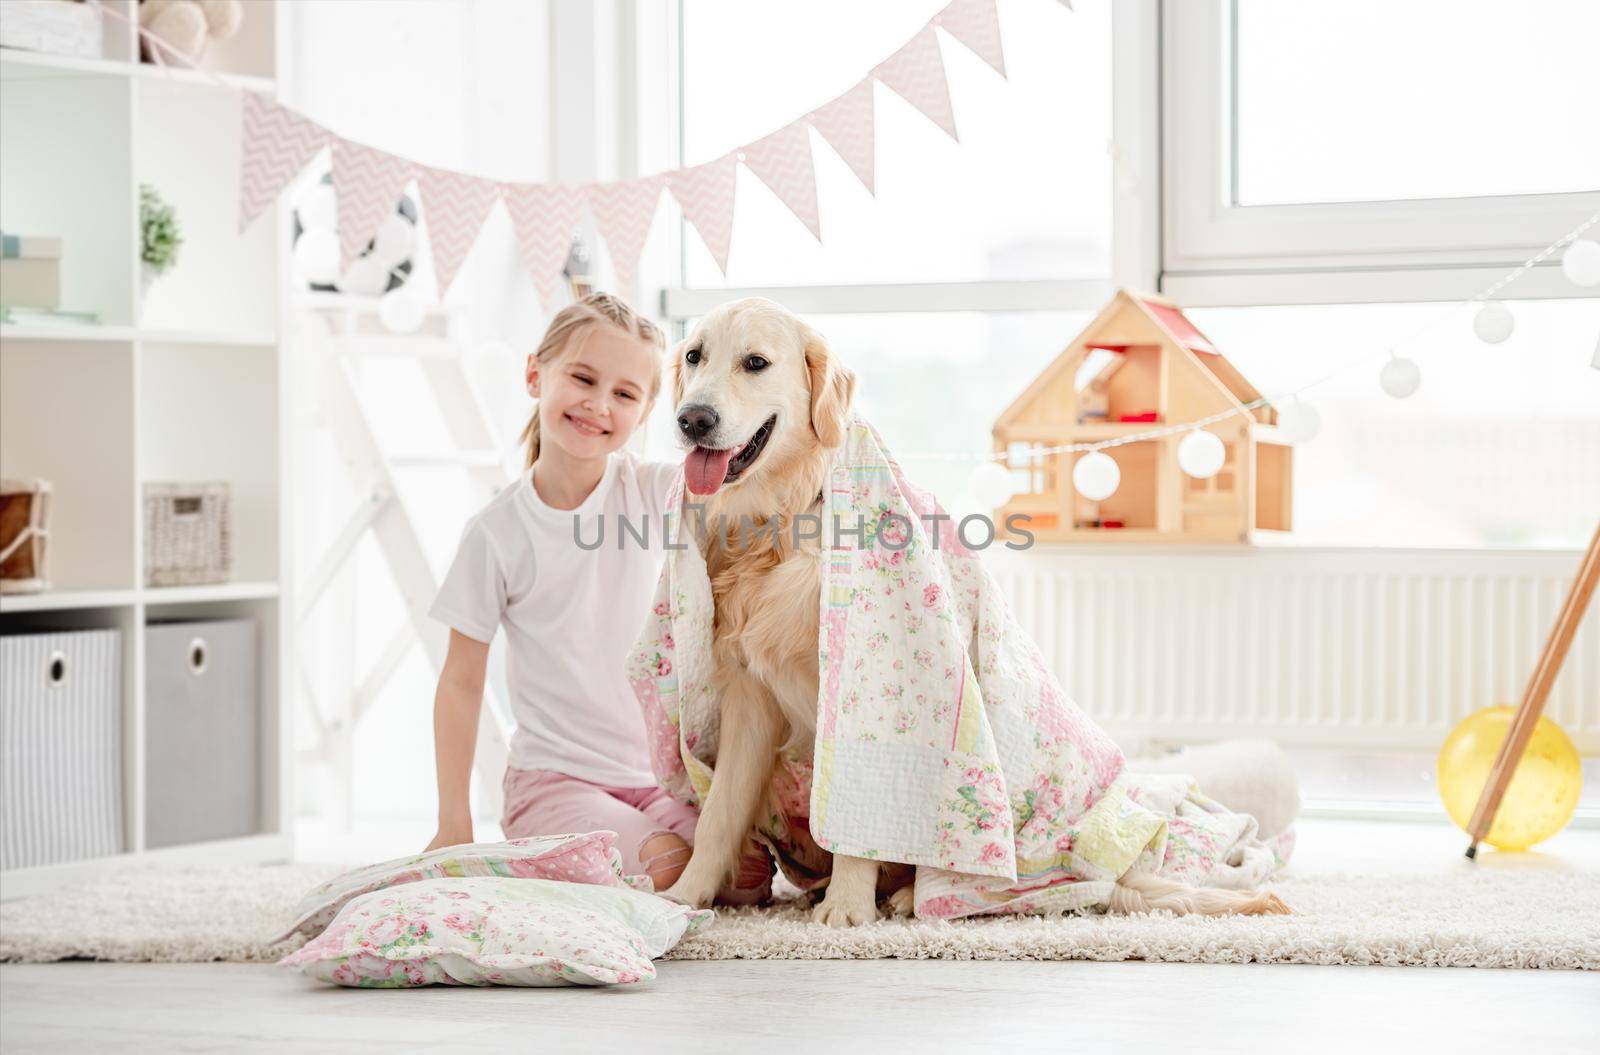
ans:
(1314, 647)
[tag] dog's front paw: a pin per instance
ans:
(844, 912)
(903, 901)
(691, 892)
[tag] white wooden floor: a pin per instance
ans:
(760, 1006)
(770, 1006)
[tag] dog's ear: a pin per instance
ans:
(675, 374)
(833, 387)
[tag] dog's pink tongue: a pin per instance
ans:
(704, 470)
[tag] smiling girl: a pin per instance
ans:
(579, 758)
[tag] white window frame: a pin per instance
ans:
(1217, 252)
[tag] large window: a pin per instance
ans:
(1362, 150)
(1438, 106)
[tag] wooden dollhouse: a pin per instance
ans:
(1141, 364)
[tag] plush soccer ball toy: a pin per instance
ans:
(386, 262)
(186, 26)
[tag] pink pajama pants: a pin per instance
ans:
(543, 802)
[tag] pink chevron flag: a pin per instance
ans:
(846, 123)
(545, 216)
(783, 162)
(455, 206)
(976, 24)
(706, 194)
(623, 213)
(367, 185)
(275, 143)
(916, 73)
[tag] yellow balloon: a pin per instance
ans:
(1543, 792)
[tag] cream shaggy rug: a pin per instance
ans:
(1468, 917)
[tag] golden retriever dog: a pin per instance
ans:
(761, 403)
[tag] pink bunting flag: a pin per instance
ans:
(367, 185)
(783, 162)
(623, 213)
(455, 206)
(976, 24)
(275, 143)
(916, 73)
(545, 217)
(846, 123)
(705, 193)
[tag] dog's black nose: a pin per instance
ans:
(696, 421)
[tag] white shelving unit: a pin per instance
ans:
(183, 381)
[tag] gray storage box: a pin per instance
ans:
(61, 745)
(202, 734)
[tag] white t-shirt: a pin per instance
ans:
(570, 614)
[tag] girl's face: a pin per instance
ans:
(594, 394)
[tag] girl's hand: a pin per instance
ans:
(451, 835)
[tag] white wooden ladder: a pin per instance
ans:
(335, 338)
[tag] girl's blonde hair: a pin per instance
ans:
(575, 320)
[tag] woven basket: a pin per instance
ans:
(188, 534)
(24, 531)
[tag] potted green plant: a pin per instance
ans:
(159, 235)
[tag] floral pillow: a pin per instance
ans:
(489, 930)
(586, 858)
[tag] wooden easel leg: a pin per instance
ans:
(1533, 698)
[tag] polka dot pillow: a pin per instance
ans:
(586, 858)
(487, 930)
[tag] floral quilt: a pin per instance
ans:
(943, 740)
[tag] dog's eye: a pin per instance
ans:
(692, 357)
(755, 363)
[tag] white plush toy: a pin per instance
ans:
(1247, 776)
(186, 26)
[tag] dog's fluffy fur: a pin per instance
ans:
(764, 589)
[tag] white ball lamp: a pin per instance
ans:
(991, 485)
(1400, 377)
(1201, 454)
(1493, 323)
(1096, 476)
(1299, 421)
(1581, 263)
